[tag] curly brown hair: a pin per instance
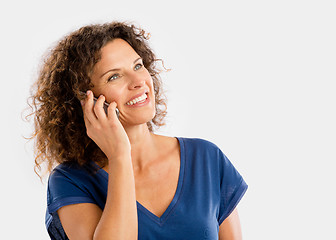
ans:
(60, 132)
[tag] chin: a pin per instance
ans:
(144, 118)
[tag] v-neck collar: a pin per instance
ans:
(165, 215)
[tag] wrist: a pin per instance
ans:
(122, 158)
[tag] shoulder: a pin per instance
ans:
(202, 151)
(69, 183)
(167, 141)
(70, 173)
(199, 144)
(66, 169)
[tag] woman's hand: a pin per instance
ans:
(105, 130)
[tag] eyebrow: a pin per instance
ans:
(116, 69)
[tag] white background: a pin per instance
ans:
(255, 77)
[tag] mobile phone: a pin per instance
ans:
(105, 106)
(83, 95)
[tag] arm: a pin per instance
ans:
(230, 228)
(118, 220)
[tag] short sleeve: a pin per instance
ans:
(232, 187)
(65, 189)
(67, 184)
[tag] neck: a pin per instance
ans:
(143, 145)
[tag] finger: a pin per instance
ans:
(99, 108)
(86, 120)
(111, 111)
(88, 108)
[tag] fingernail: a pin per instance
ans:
(88, 92)
(82, 102)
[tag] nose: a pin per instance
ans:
(136, 80)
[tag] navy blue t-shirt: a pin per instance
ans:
(208, 190)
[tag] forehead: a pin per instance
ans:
(115, 54)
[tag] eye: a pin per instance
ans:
(138, 66)
(114, 77)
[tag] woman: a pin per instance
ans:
(111, 176)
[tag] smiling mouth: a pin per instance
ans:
(140, 99)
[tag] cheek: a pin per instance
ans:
(150, 81)
(114, 95)
(147, 76)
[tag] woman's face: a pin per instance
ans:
(121, 77)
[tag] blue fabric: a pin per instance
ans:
(208, 190)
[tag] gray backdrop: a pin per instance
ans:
(254, 77)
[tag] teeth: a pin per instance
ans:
(138, 99)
